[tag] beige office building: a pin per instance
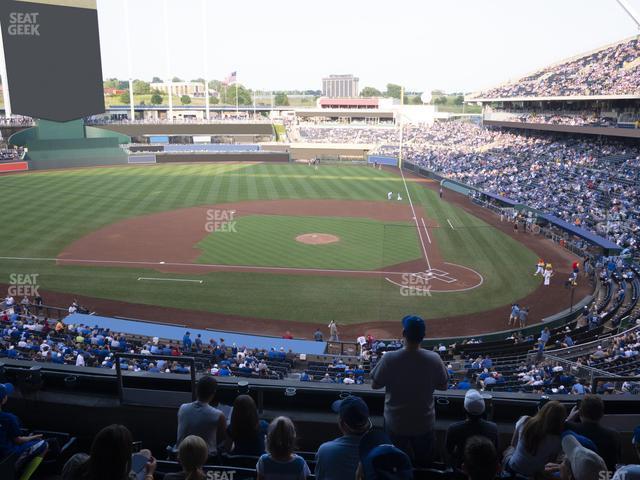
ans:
(192, 89)
(340, 86)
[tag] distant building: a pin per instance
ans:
(340, 86)
(192, 89)
(113, 91)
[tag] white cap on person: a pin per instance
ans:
(473, 402)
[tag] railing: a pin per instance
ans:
(578, 350)
(618, 383)
(581, 371)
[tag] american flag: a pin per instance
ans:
(231, 78)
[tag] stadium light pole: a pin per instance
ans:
(206, 59)
(630, 11)
(5, 83)
(129, 60)
(168, 57)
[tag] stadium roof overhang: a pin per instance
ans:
(571, 98)
(603, 243)
(597, 240)
(341, 112)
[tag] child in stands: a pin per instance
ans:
(281, 463)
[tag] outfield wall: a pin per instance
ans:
(187, 129)
(223, 157)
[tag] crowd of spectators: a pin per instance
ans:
(590, 183)
(613, 70)
(346, 134)
(408, 373)
(28, 335)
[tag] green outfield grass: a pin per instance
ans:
(45, 212)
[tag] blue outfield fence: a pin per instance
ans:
(383, 160)
(172, 332)
(212, 147)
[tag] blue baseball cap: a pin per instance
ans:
(6, 389)
(353, 411)
(414, 328)
(636, 436)
(381, 460)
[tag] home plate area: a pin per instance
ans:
(436, 274)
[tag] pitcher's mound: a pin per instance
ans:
(317, 238)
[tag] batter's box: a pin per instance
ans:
(437, 274)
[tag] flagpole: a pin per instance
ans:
(132, 115)
(168, 57)
(206, 60)
(5, 82)
(237, 96)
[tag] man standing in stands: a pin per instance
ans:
(410, 375)
(339, 458)
(200, 418)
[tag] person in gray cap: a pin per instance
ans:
(410, 376)
(580, 463)
(458, 433)
(339, 458)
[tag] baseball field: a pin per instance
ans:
(270, 242)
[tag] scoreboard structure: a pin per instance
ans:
(52, 57)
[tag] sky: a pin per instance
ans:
(453, 45)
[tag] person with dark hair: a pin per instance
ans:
(410, 376)
(339, 458)
(246, 433)
(536, 441)
(200, 418)
(111, 458)
(459, 433)
(280, 462)
(192, 455)
(480, 459)
(380, 460)
(585, 420)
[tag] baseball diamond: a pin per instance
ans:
(237, 228)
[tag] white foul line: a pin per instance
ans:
(449, 221)
(169, 280)
(425, 230)
(204, 265)
(415, 219)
